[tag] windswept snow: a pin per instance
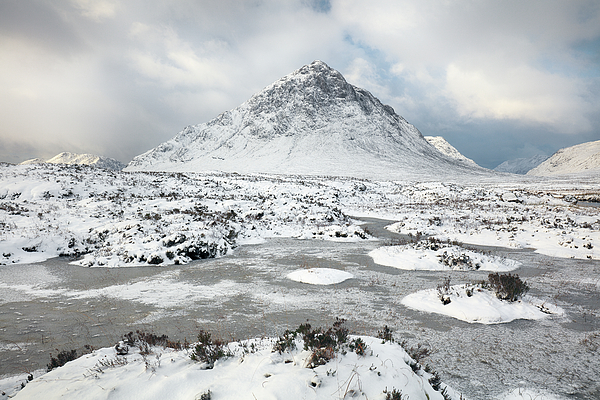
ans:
(319, 276)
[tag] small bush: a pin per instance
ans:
(358, 346)
(207, 351)
(507, 286)
(144, 340)
(443, 290)
(416, 353)
(61, 359)
(395, 394)
(385, 334)
(206, 395)
(286, 341)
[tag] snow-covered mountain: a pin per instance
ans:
(521, 165)
(310, 122)
(80, 159)
(442, 145)
(582, 158)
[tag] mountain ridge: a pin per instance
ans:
(311, 121)
(583, 158)
(79, 159)
(521, 166)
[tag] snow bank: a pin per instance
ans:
(481, 307)
(439, 258)
(254, 372)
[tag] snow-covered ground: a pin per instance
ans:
(118, 219)
(253, 371)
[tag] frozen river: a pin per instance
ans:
(53, 306)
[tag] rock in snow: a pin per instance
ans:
(80, 159)
(521, 165)
(442, 145)
(582, 158)
(310, 122)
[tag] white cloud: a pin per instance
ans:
(521, 93)
(96, 9)
(509, 60)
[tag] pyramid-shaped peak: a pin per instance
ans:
(312, 122)
(317, 69)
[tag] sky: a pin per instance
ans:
(497, 79)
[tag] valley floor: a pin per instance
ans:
(219, 250)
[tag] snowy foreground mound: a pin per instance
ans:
(253, 371)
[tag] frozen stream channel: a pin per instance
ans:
(54, 305)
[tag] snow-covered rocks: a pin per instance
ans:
(114, 219)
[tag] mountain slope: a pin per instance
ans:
(446, 148)
(80, 159)
(309, 122)
(582, 158)
(521, 165)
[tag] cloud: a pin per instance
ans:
(513, 60)
(520, 93)
(96, 9)
(117, 78)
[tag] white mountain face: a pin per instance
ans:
(443, 146)
(80, 159)
(521, 165)
(583, 158)
(310, 122)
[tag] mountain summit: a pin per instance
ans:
(309, 122)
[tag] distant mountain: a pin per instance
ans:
(309, 122)
(521, 165)
(80, 159)
(582, 158)
(446, 148)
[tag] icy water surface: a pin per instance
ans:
(54, 306)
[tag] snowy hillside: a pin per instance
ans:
(309, 122)
(80, 159)
(521, 165)
(442, 145)
(582, 158)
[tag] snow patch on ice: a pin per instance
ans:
(319, 276)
